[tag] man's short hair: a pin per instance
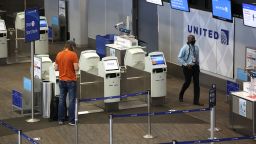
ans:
(190, 37)
(71, 45)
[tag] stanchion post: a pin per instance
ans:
(19, 137)
(212, 123)
(110, 129)
(148, 135)
(215, 128)
(76, 120)
(32, 120)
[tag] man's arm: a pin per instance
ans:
(76, 66)
(55, 66)
(75, 62)
(181, 56)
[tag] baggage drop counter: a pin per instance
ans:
(243, 112)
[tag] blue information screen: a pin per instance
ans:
(180, 5)
(32, 26)
(157, 59)
(222, 9)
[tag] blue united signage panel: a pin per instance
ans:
(32, 25)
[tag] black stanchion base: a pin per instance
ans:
(158, 101)
(111, 107)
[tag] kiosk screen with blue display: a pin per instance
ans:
(221, 9)
(180, 5)
(249, 14)
(43, 23)
(157, 59)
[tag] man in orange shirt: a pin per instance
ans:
(67, 64)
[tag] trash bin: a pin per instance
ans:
(46, 98)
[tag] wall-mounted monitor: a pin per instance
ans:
(158, 2)
(180, 5)
(111, 64)
(43, 23)
(157, 59)
(249, 14)
(221, 9)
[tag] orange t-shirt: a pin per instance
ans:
(65, 61)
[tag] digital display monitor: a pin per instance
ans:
(158, 2)
(249, 14)
(221, 9)
(180, 5)
(111, 65)
(2, 26)
(157, 59)
(43, 23)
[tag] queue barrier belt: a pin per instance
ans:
(114, 97)
(213, 140)
(8, 126)
(159, 113)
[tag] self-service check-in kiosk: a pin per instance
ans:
(46, 62)
(156, 65)
(135, 57)
(88, 61)
(3, 42)
(41, 45)
(20, 21)
(21, 48)
(109, 70)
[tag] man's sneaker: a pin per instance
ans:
(71, 123)
(61, 122)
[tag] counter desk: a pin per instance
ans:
(243, 112)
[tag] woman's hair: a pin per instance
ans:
(70, 45)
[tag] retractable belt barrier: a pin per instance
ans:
(160, 113)
(213, 140)
(101, 99)
(114, 97)
(8, 126)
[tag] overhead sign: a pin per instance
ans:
(32, 25)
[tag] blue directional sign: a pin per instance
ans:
(32, 25)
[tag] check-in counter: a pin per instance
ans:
(243, 112)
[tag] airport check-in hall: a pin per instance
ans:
(127, 71)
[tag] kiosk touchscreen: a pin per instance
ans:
(156, 65)
(3, 42)
(88, 61)
(109, 70)
(135, 57)
(41, 46)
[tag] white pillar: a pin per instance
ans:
(78, 21)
